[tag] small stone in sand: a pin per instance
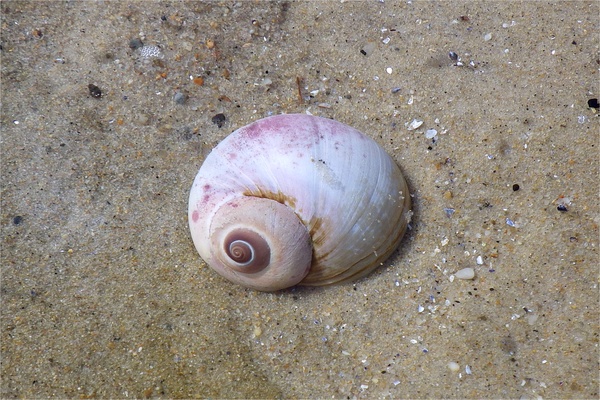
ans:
(454, 367)
(465, 273)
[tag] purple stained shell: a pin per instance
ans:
(324, 203)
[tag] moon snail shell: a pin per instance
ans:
(297, 199)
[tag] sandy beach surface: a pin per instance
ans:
(109, 108)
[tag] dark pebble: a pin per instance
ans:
(562, 208)
(219, 120)
(515, 187)
(95, 91)
(135, 44)
(593, 103)
(17, 220)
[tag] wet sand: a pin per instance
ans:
(104, 296)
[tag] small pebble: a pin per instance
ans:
(143, 119)
(95, 91)
(449, 211)
(180, 98)
(430, 133)
(454, 367)
(17, 220)
(135, 44)
(257, 331)
(219, 119)
(465, 273)
(593, 103)
(265, 82)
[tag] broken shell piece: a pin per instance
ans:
(414, 124)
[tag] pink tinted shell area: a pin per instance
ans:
(295, 131)
(195, 216)
(203, 202)
(296, 136)
(204, 198)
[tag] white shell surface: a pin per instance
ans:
(341, 184)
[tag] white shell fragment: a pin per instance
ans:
(465, 273)
(150, 51)
(430, 133)
(415, 123)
